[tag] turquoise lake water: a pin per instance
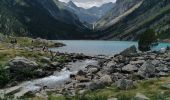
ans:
(98, 47)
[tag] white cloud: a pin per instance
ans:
(89, 3)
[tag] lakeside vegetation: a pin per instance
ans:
(24, 48)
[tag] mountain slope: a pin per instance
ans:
(90, 15)
(39, 18)
(153, 14)
(9, 24)
(120, 10)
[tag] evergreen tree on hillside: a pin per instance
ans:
(146, 40)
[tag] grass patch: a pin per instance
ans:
(150, 88)
(29, 42)
(7, 54)
(62, 59)
(4, 76)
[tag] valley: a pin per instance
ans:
(84, 50)
(30, 71)
(122, 20)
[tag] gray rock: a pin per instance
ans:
(125, 84)
(155, 62)
(81, 73)
(129, 51)
(162, 50)
(140, 62)
(166, 86)
(162, 74)
(12, 90)
(167, 63)
(167, 59)
(162, 68)
(21, 63)
(81, 92)
(92, 70)
(147, 70)
(2, 95)
(105, 80)
(129, 68)
(111, 64)
(95, 85)
(80, 85)
(140, 58)
(55, 64)
(117, 76)
(112, 99)
(140, 96)
(26, 91)
(101, 83)
(110, 67)
(82, 79)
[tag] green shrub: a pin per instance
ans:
(4, 77)
(124, 97)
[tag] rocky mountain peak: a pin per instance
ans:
(71, 4)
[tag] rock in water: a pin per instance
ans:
(147, 70)
(125, 84)
(140, 96)
(129, 51)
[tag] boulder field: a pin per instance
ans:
(123, 70)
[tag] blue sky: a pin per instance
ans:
(89, 3)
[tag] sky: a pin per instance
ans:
(89, 3)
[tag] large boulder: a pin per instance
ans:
(82, 79)
(105, 80)
(129, 68)
(22, 64)
(109, 67)
(101, 83)
(94, 85)
(128, 51)
(125, 84)
(147, 70)
(91, 69)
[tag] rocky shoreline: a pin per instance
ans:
(124, 70)
(166, 40)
